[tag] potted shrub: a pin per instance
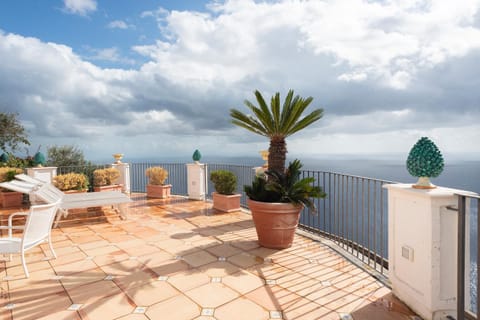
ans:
(10, 198)
(156, 187)
(71, 182)
(225, 184)
(104, 180)
(277, 197)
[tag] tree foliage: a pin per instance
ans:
(12, 133)
(64, 156)
(276, 122)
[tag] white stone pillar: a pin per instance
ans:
(44, 174)
(197, 181)
(422, 248)
(124, 178)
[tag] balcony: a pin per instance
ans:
(179, 259)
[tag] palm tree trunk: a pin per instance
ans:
(277, 154)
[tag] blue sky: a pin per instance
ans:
(155, 79)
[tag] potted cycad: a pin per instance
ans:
(225, 183)
(71, 182)
(10, 198)
(156, 187)
(277, 197)
(105, 180)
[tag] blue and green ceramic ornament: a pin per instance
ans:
(196, 156)
(39, 159)
(425, 161)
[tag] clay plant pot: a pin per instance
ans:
(226, 202)
(11, 199)
(275, 223)
(159, 191)
(112, 187)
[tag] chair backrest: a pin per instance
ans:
(39, 223)
(48, 193)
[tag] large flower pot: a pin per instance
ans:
(11, 199)
(226, 203)
(275, 223)
(159, 191)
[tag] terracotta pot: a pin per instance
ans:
(112, 187)
(11, 199)
(226, 203)
(159, 191)
(275, 223)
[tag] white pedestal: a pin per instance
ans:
(422, 249)
(124, 178)
(44, 174)
(197, 181)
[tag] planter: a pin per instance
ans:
(112, 187)
(226, 203)
(275, 223)
(159, 191)
(11, 199)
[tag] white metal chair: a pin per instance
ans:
(36, 231)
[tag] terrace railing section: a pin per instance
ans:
(354, 215)
(177, 177)
(468, 298)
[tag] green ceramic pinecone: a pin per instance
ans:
(425, 160)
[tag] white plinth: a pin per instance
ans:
(124, 178)
(197, 181)
(44, 174)
(422, 248)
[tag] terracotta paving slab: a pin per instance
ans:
(179, 259)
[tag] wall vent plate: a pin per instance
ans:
(407, 253)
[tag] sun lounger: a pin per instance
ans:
(46, 192)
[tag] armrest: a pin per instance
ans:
(10, 221)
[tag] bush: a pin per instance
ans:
(225, 182)
(71, 181)
(105, 177)
(8, 173)
(156, 175)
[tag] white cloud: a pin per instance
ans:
(80, 7)
(118, 24)
(108, 54)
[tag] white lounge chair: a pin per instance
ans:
(36, 231)
(48, 193)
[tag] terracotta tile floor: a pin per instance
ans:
(178, 259)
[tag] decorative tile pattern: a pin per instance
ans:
(109, 277)
(75, 307)
(207, 312)
(216, 280)
(162, 278)
(276, 314)
(9, 306)
(140, 310)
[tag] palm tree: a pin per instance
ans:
(276, 124)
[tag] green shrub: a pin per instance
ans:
(105, 177)
(71, 181)
(156, 175)
(225, 182)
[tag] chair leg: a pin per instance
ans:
(24, 264)
(51, 248)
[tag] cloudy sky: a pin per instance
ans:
(155, 79)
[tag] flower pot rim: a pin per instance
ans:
(234, 195)
(274, 203)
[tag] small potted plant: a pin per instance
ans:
(156, 187)
(225, 184)
(71, 182)
(10, 198)
(105, 180)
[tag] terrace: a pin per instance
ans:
(180, 259)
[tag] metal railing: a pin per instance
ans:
(468, 298)
(354, 215)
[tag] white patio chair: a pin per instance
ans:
(37, 230)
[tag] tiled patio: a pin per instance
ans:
(178, 259)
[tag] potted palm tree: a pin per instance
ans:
(277, 197)
(225, 183)
(156, 187)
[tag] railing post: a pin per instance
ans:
(461, 259)
(422, 246)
